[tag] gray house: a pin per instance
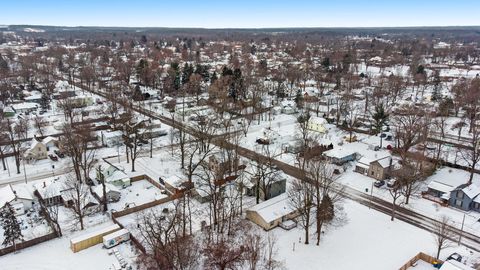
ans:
(273, 188)
(466, 197)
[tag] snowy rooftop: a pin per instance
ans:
(447, 179)
(274, 208)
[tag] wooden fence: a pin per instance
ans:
(28, 243)
(420, 256)
(144, 206)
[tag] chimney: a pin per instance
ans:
(44, 185)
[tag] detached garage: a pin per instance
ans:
(272, 213)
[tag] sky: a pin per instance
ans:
(241, 14)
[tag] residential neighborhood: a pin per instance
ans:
(238, 146)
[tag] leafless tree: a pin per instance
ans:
(443, 234)
(40, 123)
(301, 197)
(77, 196)
(166, 247)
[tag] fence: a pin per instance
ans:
(420, 256)
(141, 207)
(27, 244)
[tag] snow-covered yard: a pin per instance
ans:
(56, 254)
(368, 240)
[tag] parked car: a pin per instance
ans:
(379, 183)
(59, 154)
(53, 157)
(391, 183)
(455, 256)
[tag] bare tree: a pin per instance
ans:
(77, 196)
(301, 199)
(166, 247)
(443, 234)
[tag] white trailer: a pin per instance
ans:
(116, 238)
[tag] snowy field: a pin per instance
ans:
(368, 240)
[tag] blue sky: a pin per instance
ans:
(238, 14)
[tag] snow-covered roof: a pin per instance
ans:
(339, 152)
(273, 208)
(115, 176)
(6, 195)
(34, 144)
(448, 179)
(317, 120)
(471, 191)
(49, 188)
(108, 187)
(112, 134)
(49, 139)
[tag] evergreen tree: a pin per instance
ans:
(214, 77)
(299, 99)
(380, 118)
(11, 228)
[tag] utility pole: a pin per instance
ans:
(461, 230)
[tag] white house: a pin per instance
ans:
(112, 138)
(20, 198)
(36, 151)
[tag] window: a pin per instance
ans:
(460, 195)
(459, 203)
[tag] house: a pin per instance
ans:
(50, 191)
(113, 175)
(378, 167)
(20, 198)
(112, 138)
(88, 203)
(340, 155)
(288, 107)
(113, 193)
(465, 197)
(317, 124)
(271, 213)
(50, 142)
(273, 188)
(445, 180)
(37, 151)
(25, 107)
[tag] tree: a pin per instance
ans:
(443, 234)
(380, 118)
(50, 213)
(101, 180)
(11, 227)
(40, 123)
(320, 174)
(166, 247)
(78, 199)
(134, 134)
(301, 199)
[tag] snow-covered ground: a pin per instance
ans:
(367, 240)
(138, 193)
(56, 254)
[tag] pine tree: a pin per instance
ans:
(380, 118)
(11, 228)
